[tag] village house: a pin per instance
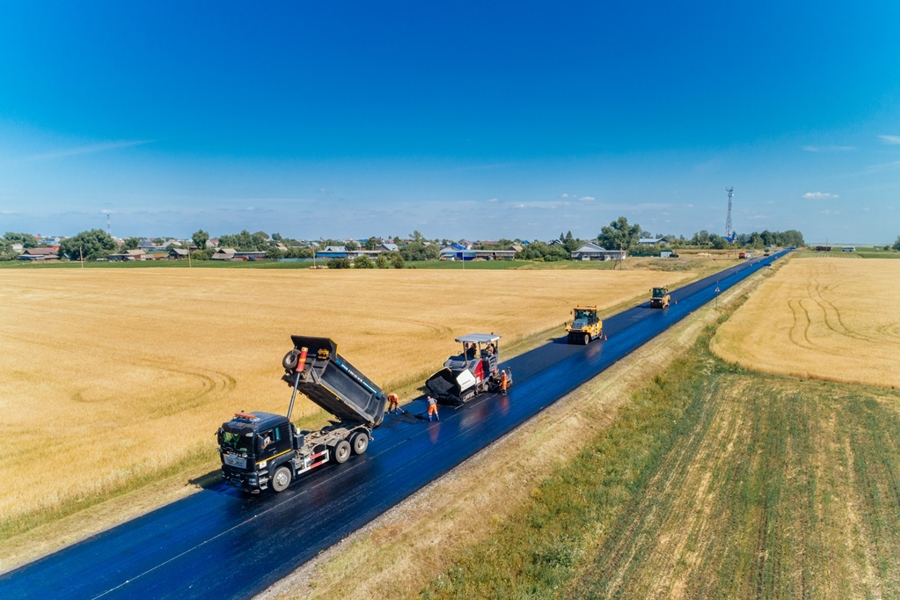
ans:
(592, 251)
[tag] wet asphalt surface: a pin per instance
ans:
(220, 543)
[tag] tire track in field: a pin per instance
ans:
(832, 315)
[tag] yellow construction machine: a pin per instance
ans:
(586, 327)
(659, 297)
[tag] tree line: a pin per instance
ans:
(618, 235)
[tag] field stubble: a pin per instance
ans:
(111, 377)
(827, 318)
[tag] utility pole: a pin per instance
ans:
(81, 256)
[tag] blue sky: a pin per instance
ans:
(524, 119)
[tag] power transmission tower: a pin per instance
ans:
(729, 232)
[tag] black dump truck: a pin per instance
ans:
(472, 372)
(262, 450)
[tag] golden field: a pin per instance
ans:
(111, 374)
(827, 318)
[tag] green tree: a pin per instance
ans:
(543, 251)
(26, 239)
(363, 262)
(200, 238)
(382, 261)
(131, 243)
(338, 263)
(6, 250)
(204, 254)
(418, 250)
(896, 245)
(276, 237)
(397, 260)
(351, 246)
(92, 245)
(371, 243)
(718, 242)
(619, 235)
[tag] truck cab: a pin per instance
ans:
(253, 446)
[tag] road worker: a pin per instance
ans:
(393, 403)
(432, 409)
(504, 382)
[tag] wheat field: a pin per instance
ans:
(826, 318)
(111, 374)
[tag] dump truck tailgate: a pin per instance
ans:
(330, 381)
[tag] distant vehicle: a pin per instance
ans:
(261, 450)
(659, 297)
(471, 373)
(586, 327)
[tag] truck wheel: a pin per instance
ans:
(341, 452)
(359, 441)
(587, 339)
(281, 480)
(291, 359)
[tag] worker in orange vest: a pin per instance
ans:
(504, 382)
(393, 403)
(432, 409)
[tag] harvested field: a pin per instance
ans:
(111, 377)
(822, 317)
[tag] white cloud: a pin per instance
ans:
(563, 195)
(587, 198)
(891, 166)
(89, 149)
(829, 212)
(492, 200)
(819, 196)
(890, 139)
(520, 206)
(829, 148)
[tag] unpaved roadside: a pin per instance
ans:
(411, 544)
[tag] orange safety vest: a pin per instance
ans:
(503, 381)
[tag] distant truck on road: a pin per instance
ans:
(261, 450)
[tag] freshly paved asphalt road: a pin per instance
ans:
(218, 544)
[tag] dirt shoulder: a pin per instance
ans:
(410, 545)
